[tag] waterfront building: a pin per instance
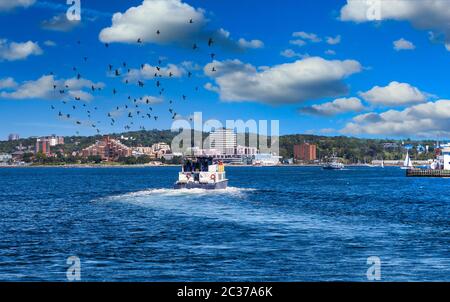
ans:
(56, 140)
(224, 140)
(444, 158)
(143, 151)
(42, 146)
(108, 149)
(4, 158)
(266, 159)
(160, 146)
(246, 151)
(243, 154)
(17, 156)
(161, 149)
(170, 155)
(305, 152)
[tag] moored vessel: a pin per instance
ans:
(333, 164)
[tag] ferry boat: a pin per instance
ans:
(202, 173)
(334, 164)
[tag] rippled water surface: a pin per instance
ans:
(272, 224)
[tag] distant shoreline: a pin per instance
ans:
(87, 166)
(106, 166)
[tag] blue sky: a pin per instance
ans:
(261, 83)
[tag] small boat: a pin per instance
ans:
(407, 164)
(334, 164)
(202, 173)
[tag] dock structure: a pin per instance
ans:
(427, 173)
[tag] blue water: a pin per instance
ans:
(273, 224)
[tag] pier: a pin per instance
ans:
(427, 173)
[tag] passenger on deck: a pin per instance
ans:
(188, 166)
(204, 165)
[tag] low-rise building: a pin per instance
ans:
(444, 158)
(4, 157)
(266, 159)
(108, 149)
(143, 151)
(161, 149)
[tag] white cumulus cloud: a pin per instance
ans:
(334, 41)
(12, 51)
(426, 120)
(338, 106)
(7, 83)
(297, 42)
(402, 44)
(250, 44)
(148, 72)
(60, 23)
(307, 36)
(169, 22)
(306, 79)
(395, 94)
(150, 100)
(290, 53)
(44, 88)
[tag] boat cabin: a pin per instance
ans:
(202, 170)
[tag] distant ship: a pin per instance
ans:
(334, 164)
(202, 173)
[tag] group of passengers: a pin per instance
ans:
(200, 165)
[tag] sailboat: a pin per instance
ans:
(382, 163)
(407, 164)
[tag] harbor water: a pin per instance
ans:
(271, 224)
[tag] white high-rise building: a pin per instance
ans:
(223, 140)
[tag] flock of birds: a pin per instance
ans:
(136, 110)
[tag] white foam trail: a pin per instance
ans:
(231, 204)
(181, 192)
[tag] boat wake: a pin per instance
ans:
(182, 193)
(235, 205)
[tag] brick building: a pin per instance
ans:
(305, 152)
(108, 149)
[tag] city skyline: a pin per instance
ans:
(324, 69)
